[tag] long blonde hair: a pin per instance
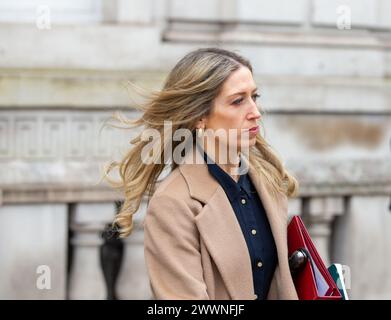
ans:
(186, 97)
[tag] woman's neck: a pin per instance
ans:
(227, 159)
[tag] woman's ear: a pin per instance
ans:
(201, 124)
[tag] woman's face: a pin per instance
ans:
(235, 108)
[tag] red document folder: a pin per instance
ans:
(313, 281)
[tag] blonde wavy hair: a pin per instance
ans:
(187, 96)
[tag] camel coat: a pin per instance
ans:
(194, 247)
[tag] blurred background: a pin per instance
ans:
(324, 72)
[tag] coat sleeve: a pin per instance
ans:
(172, 250)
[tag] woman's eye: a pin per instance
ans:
(256, 96)
(238, 101)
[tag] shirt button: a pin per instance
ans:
(253, 231)
(243, 201)
(259, 264)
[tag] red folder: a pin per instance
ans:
(312, 281)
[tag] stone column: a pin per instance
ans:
(362, 242)
(86, 280)
(133, 281)
(319, 215)
(294, 207)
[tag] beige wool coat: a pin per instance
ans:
(194, 247)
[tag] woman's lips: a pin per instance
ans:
(254, 130)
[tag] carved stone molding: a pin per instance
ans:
(46, 136)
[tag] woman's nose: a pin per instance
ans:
(255, 111)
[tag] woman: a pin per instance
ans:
(215, 228)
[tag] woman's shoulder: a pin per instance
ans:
(173, 192)
(174, 185)
(170, 184)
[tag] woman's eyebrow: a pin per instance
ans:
(242, 92)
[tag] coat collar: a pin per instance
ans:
(220, 229)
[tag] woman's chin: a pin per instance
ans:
(247, 145)
(251, 142)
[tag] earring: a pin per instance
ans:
(200, 132)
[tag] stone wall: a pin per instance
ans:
(325, 89)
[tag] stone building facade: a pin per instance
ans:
(323, 68)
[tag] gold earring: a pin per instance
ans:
(200, 132)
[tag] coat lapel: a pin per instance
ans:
(220, 230)
(277, 214)
(223, 237)
(276, 209)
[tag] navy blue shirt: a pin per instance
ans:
(254, 223)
